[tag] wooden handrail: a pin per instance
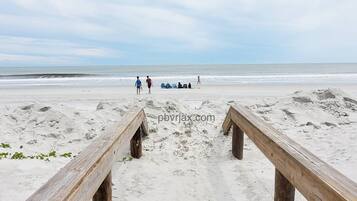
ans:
(88, 176)
(295, 166)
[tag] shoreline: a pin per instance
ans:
(208, 91)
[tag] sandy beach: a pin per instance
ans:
(181, 160)
(283, 72)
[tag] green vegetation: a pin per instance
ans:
(4, 145)
(39, 156)
(18, 156)
(3, 155)
(126, 158)
(52, 154)
(66, 155)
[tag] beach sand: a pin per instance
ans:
(181, 160)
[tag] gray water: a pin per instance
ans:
(171, 70)
(210, 74)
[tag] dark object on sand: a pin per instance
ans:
(168, 86)
(179, 85)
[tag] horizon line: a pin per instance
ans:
(186, 64)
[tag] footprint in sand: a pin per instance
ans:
(27, 107)
(44, 109)
(150, 104)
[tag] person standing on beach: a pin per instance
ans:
(149, 83)
(138, 85)
(198, 80)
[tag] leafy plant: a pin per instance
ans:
(126, 158)
(41, 156)
(52, 154)
(4, 145)
(18, 156)
(66, 155)
(3, 155)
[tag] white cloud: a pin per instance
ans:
(19, 59)
(109, 21)
(40, 46)
(303, 27)
(30, 51)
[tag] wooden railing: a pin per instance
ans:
(295, 167)
(88, 176)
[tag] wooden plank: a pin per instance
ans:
(315, 179)
(284, 190)
(104, 193)
(237, 142)
(82, 176)
(144, 126)
(227, 123)
(135, 144)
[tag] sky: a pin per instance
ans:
(108, 32)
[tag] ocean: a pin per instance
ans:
(210, 74)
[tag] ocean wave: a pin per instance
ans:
(45, 75)
(92, 80)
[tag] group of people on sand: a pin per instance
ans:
(139, 87)
(138, 84)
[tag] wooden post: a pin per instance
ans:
(237, 142)
(104, 192)
(135, 144)
(284, 190)
(143, 133)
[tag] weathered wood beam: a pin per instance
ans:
(104, 192)
(80, 179)
(227, 123)
(135, 144)
(315, 179)
(284, 190)
(237, 142)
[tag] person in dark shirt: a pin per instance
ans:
(149, 83)
(138, 85)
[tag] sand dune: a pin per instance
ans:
(182, 160)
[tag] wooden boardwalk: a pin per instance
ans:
(88, 176)
(295, 167)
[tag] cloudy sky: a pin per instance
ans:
(100, 32)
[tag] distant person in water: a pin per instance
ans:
(198, 80)
(149, 83)
(138, 85)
